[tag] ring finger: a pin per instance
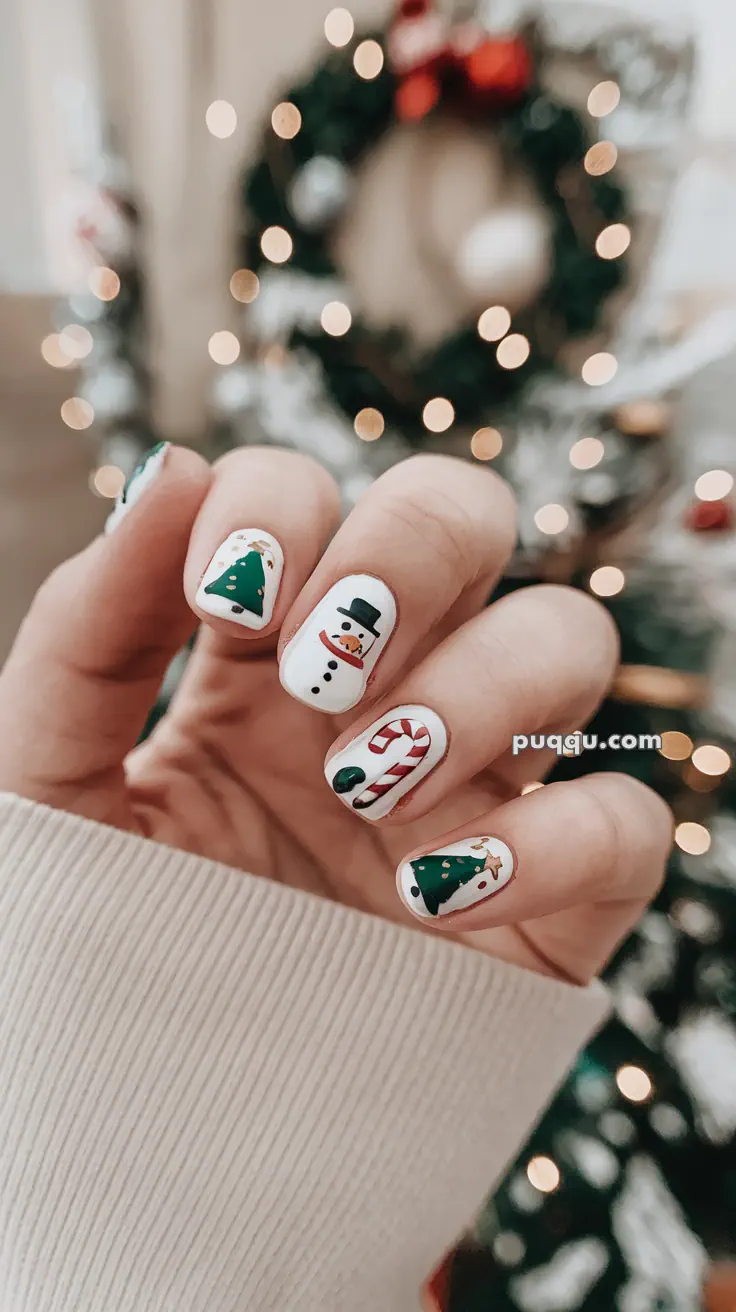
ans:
(538, 656)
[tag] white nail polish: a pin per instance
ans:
(455, 877)
(243, 578)
(329, 660)
(144, 474)
(387, 760)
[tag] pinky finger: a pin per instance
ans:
(573, 863)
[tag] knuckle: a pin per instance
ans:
(439, 525)
(637, 830)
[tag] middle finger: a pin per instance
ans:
(429, 537)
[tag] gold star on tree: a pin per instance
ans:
(493, 864)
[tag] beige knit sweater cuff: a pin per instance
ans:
(222, 1095)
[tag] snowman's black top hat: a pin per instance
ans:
(363, 613)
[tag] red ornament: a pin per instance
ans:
(418, 41)
(710, 517)
(499, 72)
(416, 96)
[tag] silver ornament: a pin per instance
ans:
(319, 192)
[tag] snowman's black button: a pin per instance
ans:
(327, 678)
(332, 665)
(315, 690)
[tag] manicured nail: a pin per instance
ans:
(145, 473)
(243, 578)
(329, 660)
(455, 877)
(387, 760)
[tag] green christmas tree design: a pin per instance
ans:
(243, 583)
(438, 877)
(133, 478)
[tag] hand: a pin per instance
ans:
(236, 770)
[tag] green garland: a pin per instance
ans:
(343, 117)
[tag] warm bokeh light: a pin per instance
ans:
(587, 453)
(77, 413)
(224, 347)
(552, 519)
(486, 444)
(104, 283)
(544, 1174)
(76, 341)
(601, 158)
(277, 245)
(339, 27)
(714, 485)
(369, 424)
(692, 838)
(494, 323)
(286, 120)
(634, 1083)
(53, 352)
(599, 369)
(221, 119)
(712, 760)
(513, 351)
(244, 286)
(607, 581)
(336, 319)
(368, 60)
(438, 415)
(646, 418)
(676, 746)
(613, 241)
(107, 481)
(531, 788)
(603, 99)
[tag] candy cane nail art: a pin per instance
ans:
(455, 877)
(387, 760)
(243, 578)
(146, 471)
(329, 660)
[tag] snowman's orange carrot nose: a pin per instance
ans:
(350, 642)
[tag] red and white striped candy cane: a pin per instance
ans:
(420, 738)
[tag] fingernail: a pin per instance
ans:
(455, 877)
(145, 473)
(329, 660)
(387, 760)
(243, 578)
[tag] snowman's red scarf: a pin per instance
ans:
(338, 651)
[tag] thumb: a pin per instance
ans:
(90, 656)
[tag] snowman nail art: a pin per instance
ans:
(146, 471)
(329, 660)
(387, 760)
(243, 578)
(455, 877)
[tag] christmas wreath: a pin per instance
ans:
(297, 190)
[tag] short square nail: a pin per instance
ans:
(145, 473)
(455, 877)
(387, 760)
(242, 580)
(329, 660)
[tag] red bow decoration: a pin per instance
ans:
(427, 53)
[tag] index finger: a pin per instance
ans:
(429, 538)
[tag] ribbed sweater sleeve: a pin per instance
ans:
(222, 1095)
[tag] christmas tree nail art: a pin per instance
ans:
(455, 877)
(146, 471)
(243, 578)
